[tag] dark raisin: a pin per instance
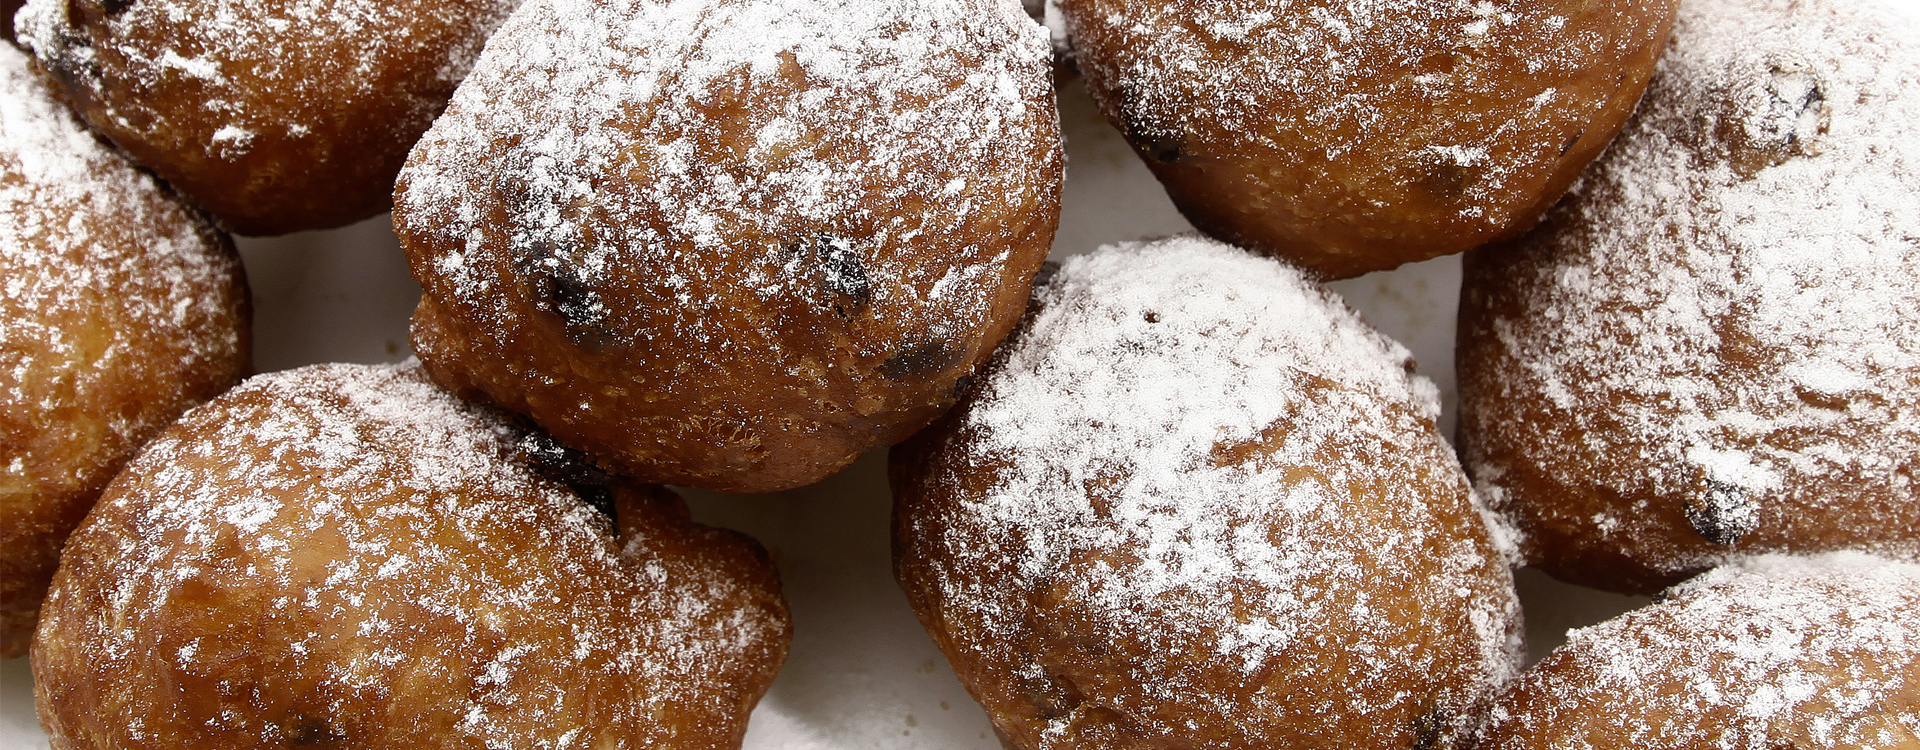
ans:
(310, 731)
(843, 274)
(1721, 513)
(599, 498)
(72, 62)
(576, 303)
(548, 458)
(842, 271)
(115, 7)
(1795, 103)
(560, 463)
(1163, 150)
(1428, 728)
(960, 386)
(558, 289)
(1763, 133)
(920, 360)
(551, 262)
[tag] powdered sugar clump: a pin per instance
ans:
(1208, 463)
(1723, 313)
(1772, 652)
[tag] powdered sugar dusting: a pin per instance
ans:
(382, 532)
(274, 117)
(1463, 98)
(119, 308)
(715, 143)
(287, 48)
(1771, 652)
(59, 177)
(1175, 448)
(1737, 279)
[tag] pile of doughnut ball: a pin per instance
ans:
(1169, 495)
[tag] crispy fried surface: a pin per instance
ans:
(346, 556)
(1195, 503)
(275, 117)
(1353, 137)
(119, 309)
(733, 243)
(1709, 348)
(1778, 652)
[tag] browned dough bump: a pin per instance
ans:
(1776, 653)
(119, 308)
(1712, 347)
(733, 243)
(275, 117)
(347, 556)
(1196, 503)
(1357, 136)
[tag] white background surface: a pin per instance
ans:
(862, 673)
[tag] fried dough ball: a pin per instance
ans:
(733, 243)
(1354, 137)
(1768, 654)
(347, 556)
(1196, 503)
(1713, 346)
(275, 117)
(120, 308)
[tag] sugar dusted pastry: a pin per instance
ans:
(273, 116)
(347, 556)
(1195, 502)
(1713, 346)
(733, 243)
(119, 309)
(1357, 136)
(1776, 652)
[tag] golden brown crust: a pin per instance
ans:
(1276, 552)
(1777, 652)
(119, 309)
(274, 117)
(1706, 351)
(759, 271)
(1554, 503)
(346, 556)
(1356, 137)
